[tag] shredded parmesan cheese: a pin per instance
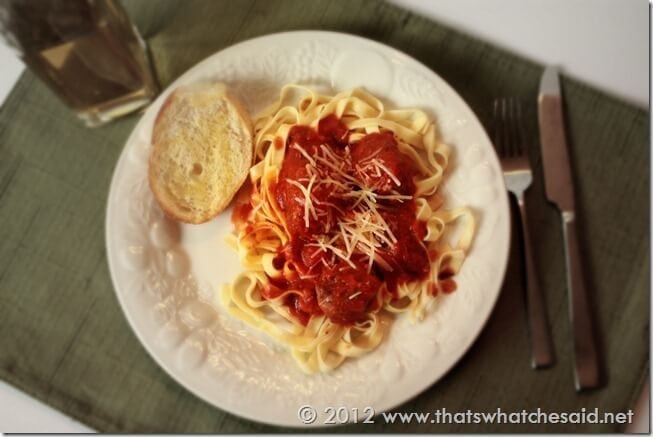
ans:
(361, 229)
(305, 154)
(387, 171)
(308, 199)
(355, 295)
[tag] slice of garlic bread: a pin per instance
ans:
(201, 152)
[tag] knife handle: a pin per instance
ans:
(586, 359)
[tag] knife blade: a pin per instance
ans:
(559, 186)
(555, 153)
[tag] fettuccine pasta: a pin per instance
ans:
(344, 225)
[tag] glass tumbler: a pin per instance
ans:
(87, 51)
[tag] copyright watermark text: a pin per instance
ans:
(309, 415)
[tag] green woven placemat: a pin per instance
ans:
(64, 339)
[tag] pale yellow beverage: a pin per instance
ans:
(87, 51)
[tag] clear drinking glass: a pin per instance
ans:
(87, 51)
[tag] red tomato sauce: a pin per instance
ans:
(345, 291)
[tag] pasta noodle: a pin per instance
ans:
(344, 226)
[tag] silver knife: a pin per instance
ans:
(560, 190)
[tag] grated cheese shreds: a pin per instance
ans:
(305, 154)
(387, 171)
(365, 232)
(308, 199)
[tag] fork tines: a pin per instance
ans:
(508, 131)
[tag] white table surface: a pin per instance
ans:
(603, 42)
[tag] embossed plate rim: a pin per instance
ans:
(396, 56)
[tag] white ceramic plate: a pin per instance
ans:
(167, 276)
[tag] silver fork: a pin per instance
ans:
(509, 140)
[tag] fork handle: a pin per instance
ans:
(586, 359)
(541, 345)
